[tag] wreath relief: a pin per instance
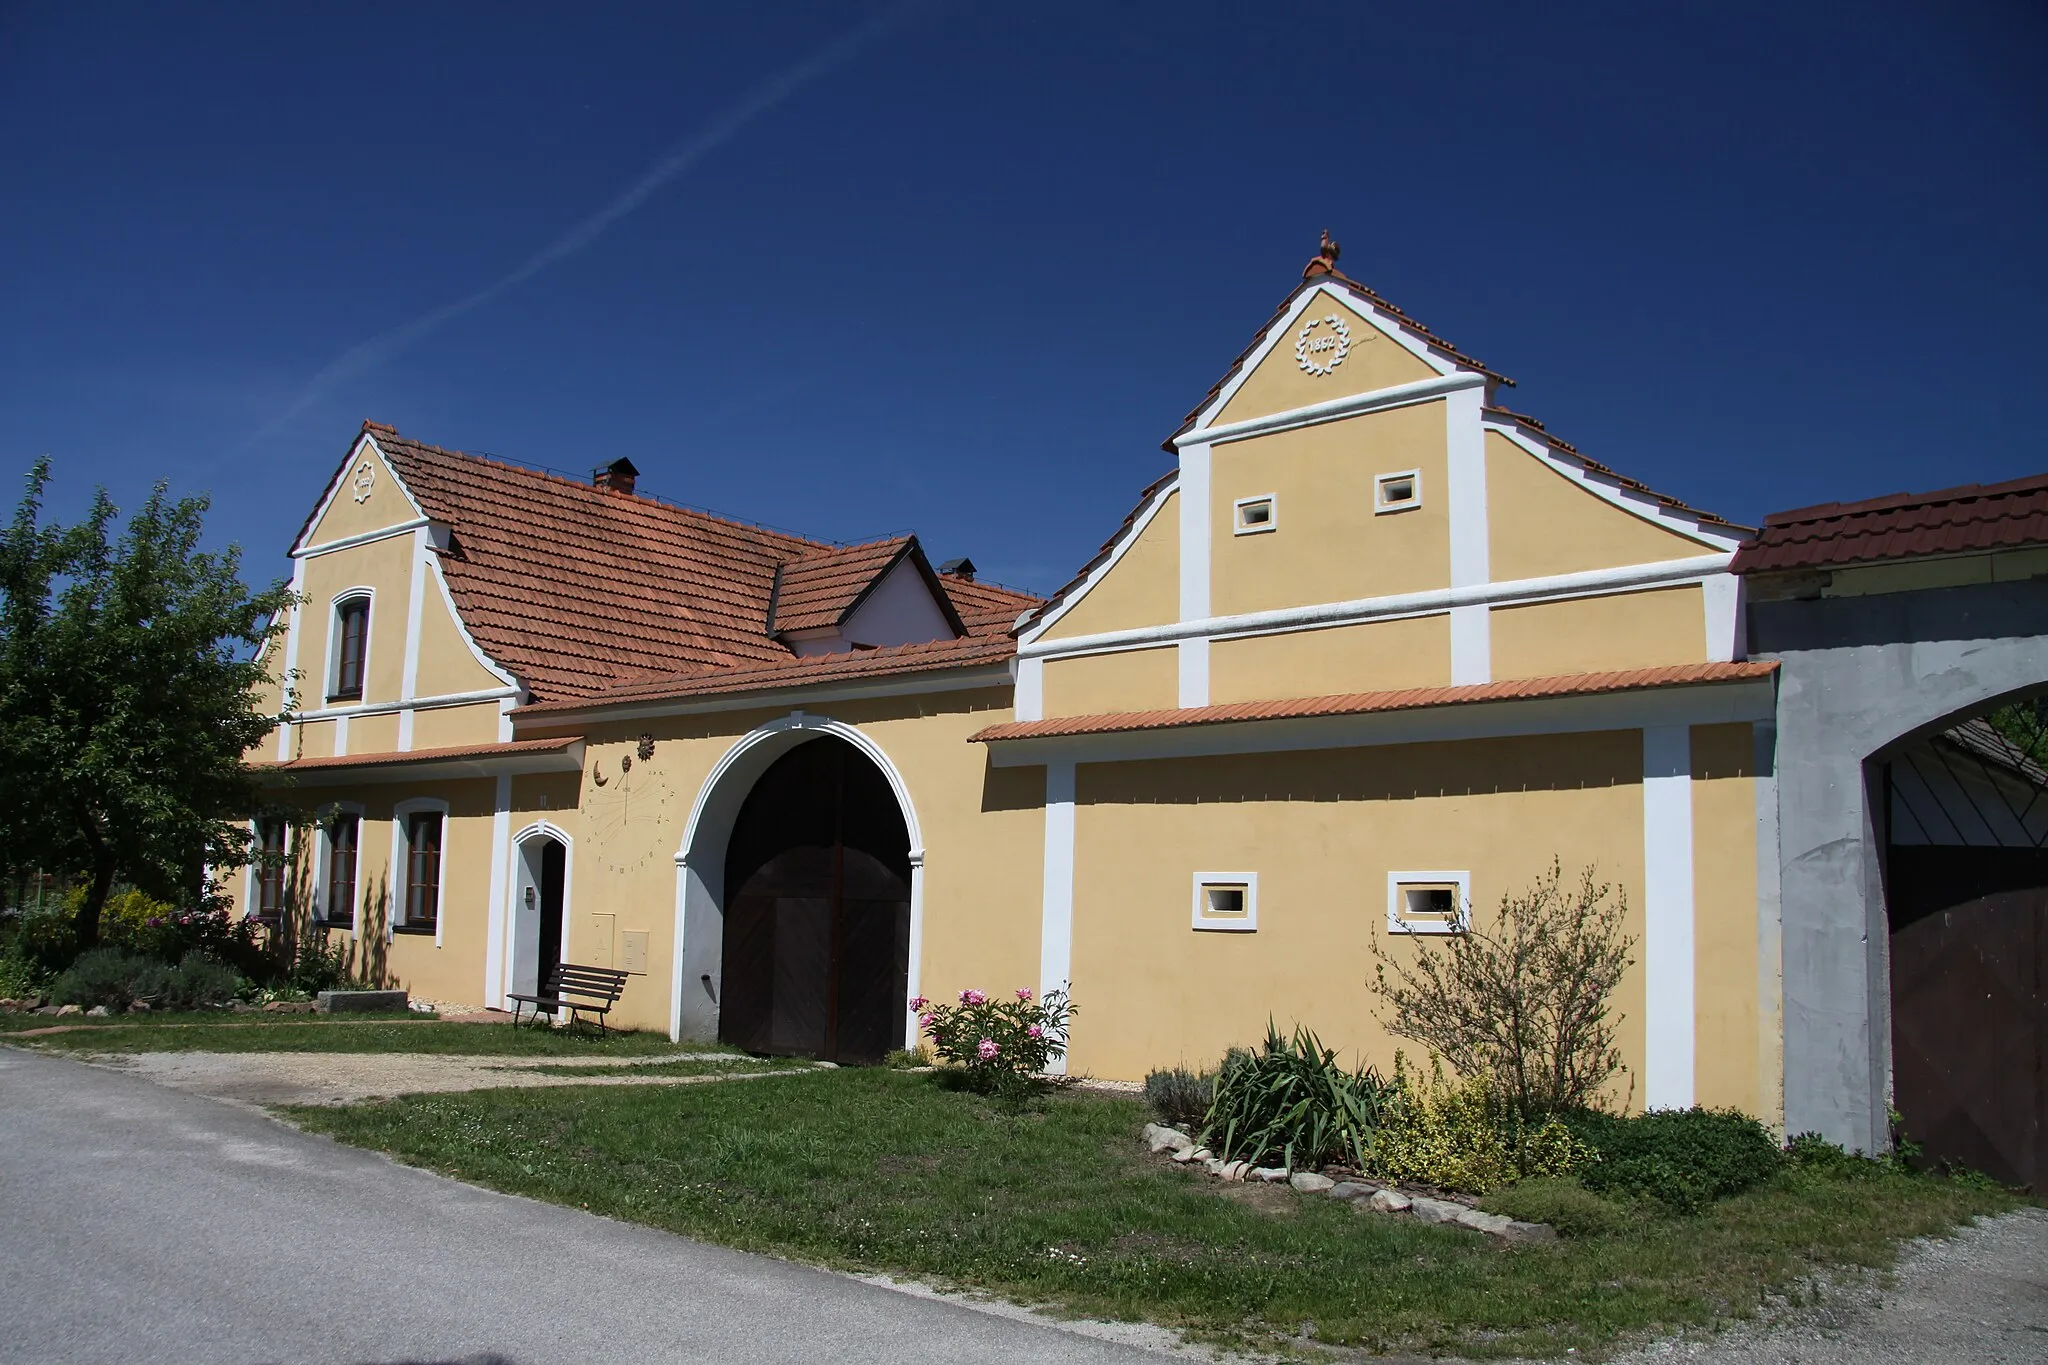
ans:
(1318, 351)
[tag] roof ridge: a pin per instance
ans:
(569, 481)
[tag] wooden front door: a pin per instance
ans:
(1969, 950)
(817, 910)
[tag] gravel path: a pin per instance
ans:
(1980, 1297)
(267, 1078)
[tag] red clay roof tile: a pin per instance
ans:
(575, 589)
(821, 589)
(1902, 526)
(1365, 703)
(966, 651)
(509, 749)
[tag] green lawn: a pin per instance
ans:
(301, 1033)
(739, 1063)
(1054, 1202)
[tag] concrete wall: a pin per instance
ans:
(1861, 675)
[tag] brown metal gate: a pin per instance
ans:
(1969, 961)
(817, 913)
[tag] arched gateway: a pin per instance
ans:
(817, 910)
(797, 897)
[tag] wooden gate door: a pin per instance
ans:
(1969, 950)
(817, 911)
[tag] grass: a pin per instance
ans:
(299, 1033)
(1052, 1201)
(737, 1063)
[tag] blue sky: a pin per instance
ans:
(960, 268)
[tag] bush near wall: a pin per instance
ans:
(1683, 1158)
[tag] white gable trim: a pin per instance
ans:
(1609, 488)
(1383, 323)
(476, 651)
(1333, 409)
(1118, 549)
(340, 481)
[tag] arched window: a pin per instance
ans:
(351, 647)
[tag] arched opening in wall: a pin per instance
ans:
(1965, 870)
(817, 877)
(539, 908)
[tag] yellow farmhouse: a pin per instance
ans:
(1371, 656)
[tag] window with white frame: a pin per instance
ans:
(1400, 492)
(341, 836)
(1227, 901)
(1255, 515)
(1429, 902)
(419, 829)
(351, 647)
(270, 869)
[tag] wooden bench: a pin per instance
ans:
(579, 990)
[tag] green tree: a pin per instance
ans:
(129, 690)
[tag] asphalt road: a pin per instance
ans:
(139, 1223)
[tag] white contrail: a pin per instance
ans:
(368, 354)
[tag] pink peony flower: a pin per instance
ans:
(973, 997)
(988, 1050)
(928, 1020)
(1024, 993)
(1034, 1032)
(919, 1003)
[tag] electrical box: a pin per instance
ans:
(633, 951)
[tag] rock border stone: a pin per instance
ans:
(1363, 1196)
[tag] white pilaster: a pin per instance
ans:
(500, 908)
(1056, 922)
(1668, 916)
(415, 604)
(1465, 498)
(1028, 701)
(1723, 596)
(1194, 571)
(291, 656)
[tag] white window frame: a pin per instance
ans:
(1245, 924)
(323, 850)
(252, 875)
(1397, 902)
(1381, 507)
(368, 595)
(1272, 522)
(401, 861)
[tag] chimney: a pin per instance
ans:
(618, 477)
(962, 567)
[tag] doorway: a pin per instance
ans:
(539, 908)
(817, 910)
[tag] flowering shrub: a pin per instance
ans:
(999, 1044)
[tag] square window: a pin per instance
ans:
(1397, 492)
(1227, 901)
(1429, 902)
(1254, 515)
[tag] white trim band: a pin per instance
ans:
(378, 708)
(1661, 574)
(328, 547)
(1334, 409)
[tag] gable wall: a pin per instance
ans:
(1329, 545)
(1142, 588)
(386, 505)
(1279, 384)
(1540, 522)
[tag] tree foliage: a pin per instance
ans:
(130, 669)
(1524, 1000)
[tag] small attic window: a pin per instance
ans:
(1227, 900)
(1428, 902)
(1254, 515)
(1397, 492)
